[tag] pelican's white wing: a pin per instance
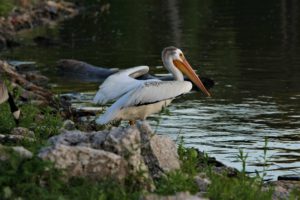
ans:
(3, 92)
(147, 93)
(119, 84)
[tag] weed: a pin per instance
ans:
(176, 181)
(240, 187)
(189, 158)
(6, 119)
(5, 7)
(38, 179)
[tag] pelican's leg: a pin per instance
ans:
(14, 109)
(132, 122)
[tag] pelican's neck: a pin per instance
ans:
(169, 65)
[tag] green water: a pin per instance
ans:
(251, 49)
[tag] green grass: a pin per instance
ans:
(5, 7)
(38, 179)
(174, 182)
(43, 121)
(223, 188)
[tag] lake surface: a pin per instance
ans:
(251, 49)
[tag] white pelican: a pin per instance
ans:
(6, 96)
(137, 99)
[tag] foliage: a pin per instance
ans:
(223, 188)
(5, 7)
(38, 179)
(189, 159)
(240, 187)
(295, 194)
(44, 122)
(6, 119)
(176, 181)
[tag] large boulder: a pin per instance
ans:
(19, 150)
(159, 152)
(177, 196)
(85, 161)
(117, 153)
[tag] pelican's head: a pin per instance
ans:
(175, 62)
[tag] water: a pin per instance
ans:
(251, 49)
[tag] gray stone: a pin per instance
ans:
(84, 161)
(283, 189)
(127, 143)
(22, 131)
(203, 182)
(21, 151)
(68, 125)
(97, 139)
(79, 138)
(14, 138)
(24, 153)
(139, 150)
(177, 196)
(70, 138)
(159, 152)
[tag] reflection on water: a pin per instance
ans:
(251, 49)
(222, 128)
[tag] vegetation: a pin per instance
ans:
(240, 187)
(5, 7)
(38, 179)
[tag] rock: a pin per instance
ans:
(159, 152)
(21, 151)
(37, 79)
(79, 138)
(28, 90)
(24, 153)
(84, 161)
(68, 125)
(216, 165)
(23, 132)
(177, 196)
(289, 177)
(283, 189)
(22, 64)
(70, 138)
(203, 182)
(14, 138)
(127, 143)
(131, 151)
(83, 71)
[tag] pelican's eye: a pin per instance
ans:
(181, 55)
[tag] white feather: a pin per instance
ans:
(3, 92)
(148, 92)
(119, 84)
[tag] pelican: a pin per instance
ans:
(6, 96)
(137, 99)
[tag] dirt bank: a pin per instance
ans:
(27, 17)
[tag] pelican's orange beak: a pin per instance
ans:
(186, 68)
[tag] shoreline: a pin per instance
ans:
(40, 14)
